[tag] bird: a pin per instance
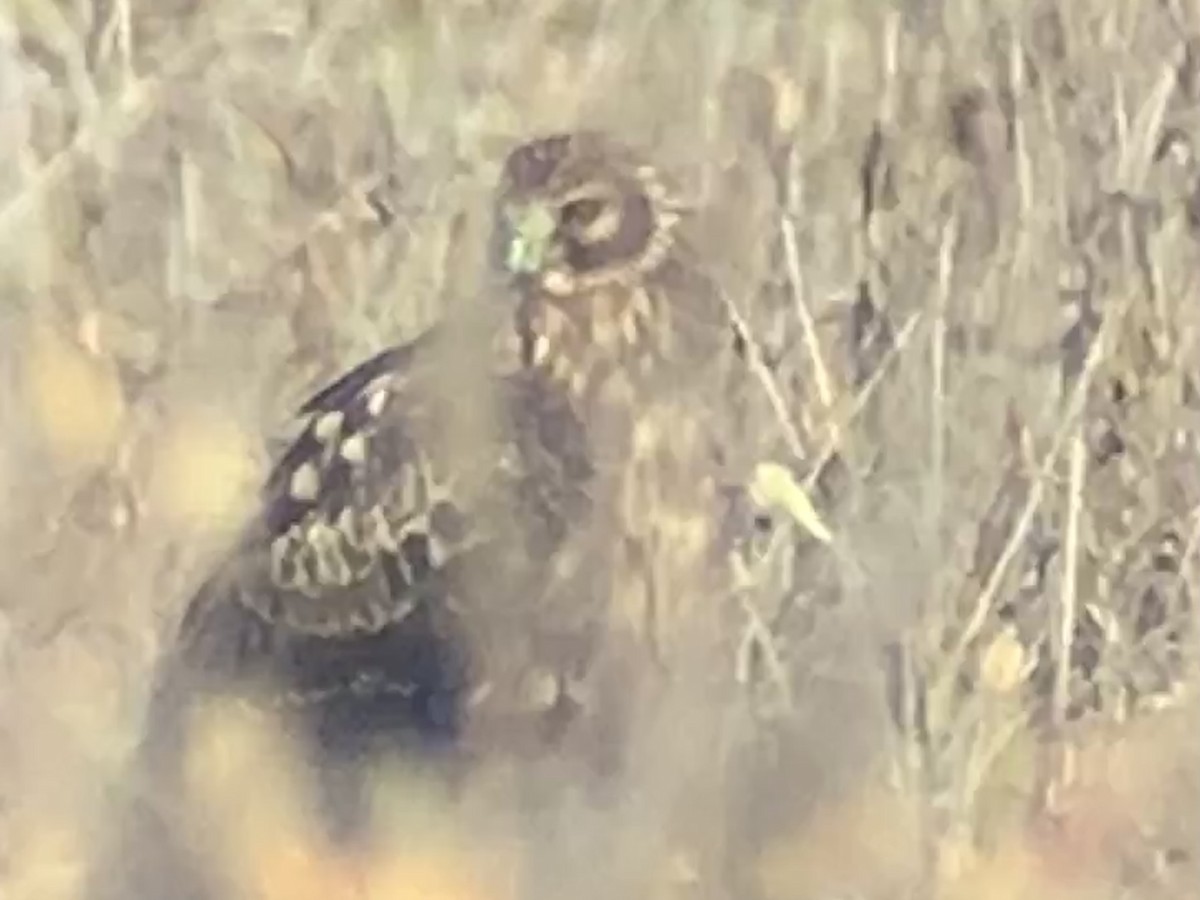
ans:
(407, 571)
(619, 308)
(616, 312)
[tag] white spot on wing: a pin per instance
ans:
(354, 449)
(381, 530)
(305, 483)
(327, 426)
(331, 565)
(377, 401)
(347, 523)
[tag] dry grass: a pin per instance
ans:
(205, 208)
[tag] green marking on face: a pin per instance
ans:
(533, 228)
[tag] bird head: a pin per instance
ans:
(578, 212)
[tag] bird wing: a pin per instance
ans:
(382, 507)
(332, 606)
(357, 523)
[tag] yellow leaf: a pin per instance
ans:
(773, 485)
(1004, 663)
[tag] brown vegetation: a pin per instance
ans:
(961, 238)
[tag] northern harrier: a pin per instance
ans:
(393, 573)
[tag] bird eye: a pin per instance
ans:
(582, 212)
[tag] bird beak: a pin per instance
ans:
(531, 229)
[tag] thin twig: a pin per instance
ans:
(1069, 598)
(937, 438)
(833, 442)
(758, 632)
(791, 245)
(765, 377)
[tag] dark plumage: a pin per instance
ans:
(407, 562)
